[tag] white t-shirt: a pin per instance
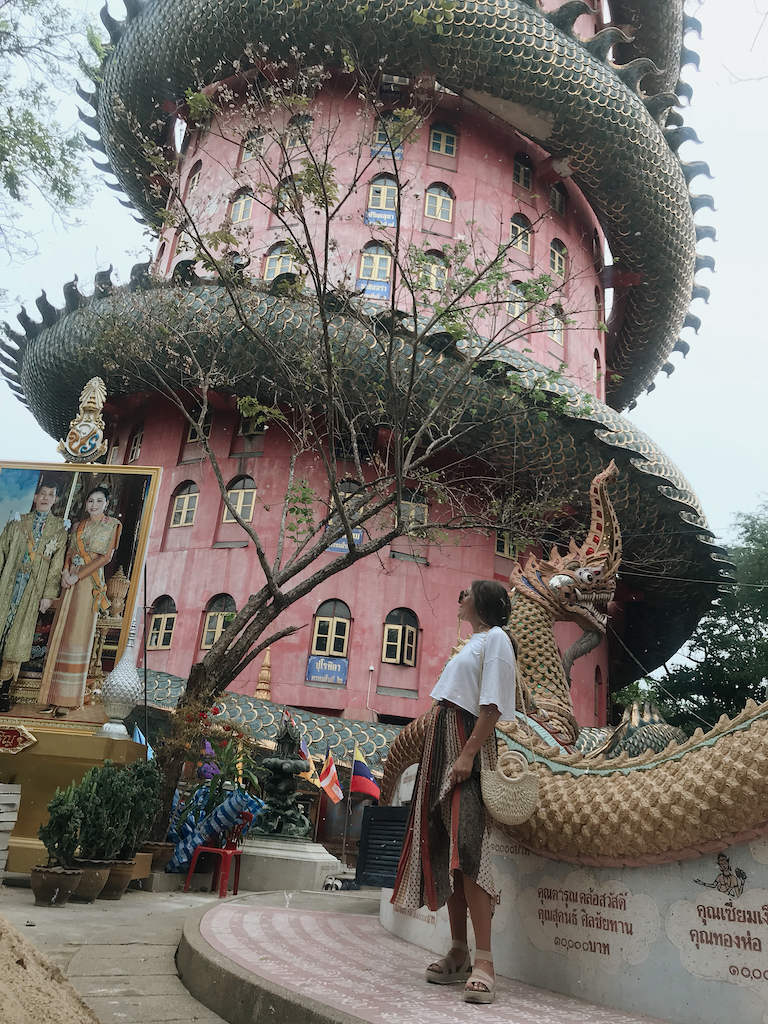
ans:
(460, 682)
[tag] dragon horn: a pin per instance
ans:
(603, 543)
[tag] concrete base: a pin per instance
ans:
(272, 864)
(685, 941)
(167, 881)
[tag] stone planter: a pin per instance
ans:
(95, 875)
(120, 874)
(54, 886)
(10, 797)
(161, 854)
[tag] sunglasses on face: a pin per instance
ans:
(463, 594)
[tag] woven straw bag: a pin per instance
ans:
(511, 792)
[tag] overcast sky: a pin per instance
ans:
(709, 416)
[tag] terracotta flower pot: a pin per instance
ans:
(53, 886)
(95, 875)
(161, 854)
(120, 873)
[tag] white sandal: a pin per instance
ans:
(451, 973)
(475, 995)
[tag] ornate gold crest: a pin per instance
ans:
(85, 440)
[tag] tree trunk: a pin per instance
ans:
(171, 754)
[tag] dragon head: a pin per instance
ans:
(578, 585)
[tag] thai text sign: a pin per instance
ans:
(605, 925)
(373, 289)
(327, 670)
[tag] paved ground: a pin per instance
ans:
(351, 969)
(119, 955)
(262, 958)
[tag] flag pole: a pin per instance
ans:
(346, 814)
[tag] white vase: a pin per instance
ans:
(121, 691)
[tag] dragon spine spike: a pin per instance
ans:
(683, 89)
(691, 24)
(631, 74)
(692, 321)
(566, 14)
(689, 57)
(660, 103)
(604, 530)
(601, 42)
(705, 231)
(699, 202)
(694, 168)
(703, 262)
(114, 27)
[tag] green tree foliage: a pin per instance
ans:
(725, 663)
(38, 156)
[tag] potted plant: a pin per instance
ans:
(104, 798)
(54, 884)
(146, 782)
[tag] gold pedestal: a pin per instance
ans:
(63, 753)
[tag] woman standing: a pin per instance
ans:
(446, 856)
(92, 544)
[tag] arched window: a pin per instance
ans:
(218, 612)
(279, 261)
(184, 504)
(520, 233)
(253, 144)
(400, 634)
(435, 271)
(596, 366)
(376, 263)
(242, 205)
(331, 630)
(597, 252)
(134, 445)
(599, 310)
(558, 198)
(388, 131)
(299, 131)
(439, 202)
(558, 257)
(193, 434)
(287, 199)
(555, 324)
(161, 624)
(517, 307)
(505, 545)
(415, 509)
(522, 171)
(194, 179)
(242, 493)
(382, 195)
(443, 139)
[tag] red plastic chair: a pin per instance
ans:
(225, 854)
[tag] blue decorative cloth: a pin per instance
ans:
(222, 819)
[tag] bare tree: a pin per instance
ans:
(337, 370)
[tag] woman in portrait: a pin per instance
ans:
(92, 544)
(446, 857)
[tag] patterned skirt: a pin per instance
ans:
(449, 829)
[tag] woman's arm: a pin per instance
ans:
(486, 723)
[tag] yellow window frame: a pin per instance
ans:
(520, 236)
(334, 631)
(161, 631)
(382, 195)
(375, 266)
(136, 442)
(241, 209)
(557, 260)
(522, 175)
(213, 628)
(278, 263)
(243, 499)
(504, 545)
(184, 509)
(399, 645)
(444, 141)
(438, 206)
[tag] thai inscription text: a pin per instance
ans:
(576, 912)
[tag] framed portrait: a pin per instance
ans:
(73, 540)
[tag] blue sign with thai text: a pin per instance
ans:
(381, 218)
(341, 545)
(327, 670)
(373, 289)
(386, 151)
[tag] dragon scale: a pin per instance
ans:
(536, 76)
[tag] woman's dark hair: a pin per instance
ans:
(492, 602)
(97, 490)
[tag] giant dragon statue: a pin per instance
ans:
(600, 805)
(602, 108)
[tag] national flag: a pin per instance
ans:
(329, 778)
(362, 780)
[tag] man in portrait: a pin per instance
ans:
(32, 549)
